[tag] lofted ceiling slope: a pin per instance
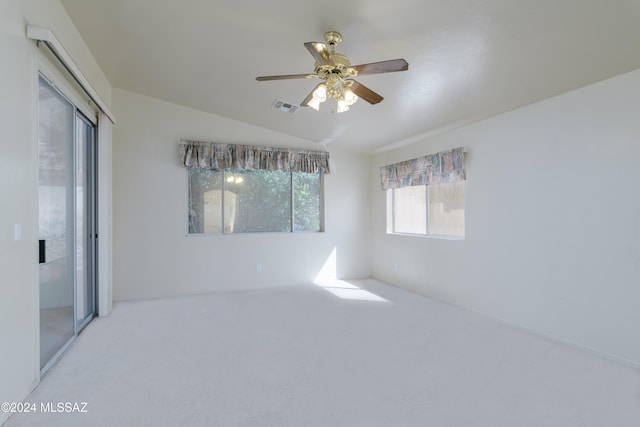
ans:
(468, 59)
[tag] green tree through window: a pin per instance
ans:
(253, 201)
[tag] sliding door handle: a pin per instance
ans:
(42, 251)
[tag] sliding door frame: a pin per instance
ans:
(91, 216)
(81, 111)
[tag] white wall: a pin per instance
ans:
(552, 220)
(153, 256)
(19, 368)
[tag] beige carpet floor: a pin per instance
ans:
(349, 354)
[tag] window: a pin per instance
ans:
(251, 201)
(425, 195)
(431, 210)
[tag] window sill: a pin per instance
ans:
(254, 233)
(428, 236)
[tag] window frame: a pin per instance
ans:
(292, 230)
(390, 202)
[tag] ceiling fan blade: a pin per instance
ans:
(382, 67)
(319, 52)
(305, 102)
(364, 92)
(285, 77)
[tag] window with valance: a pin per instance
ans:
(425, 195)
(237, 188)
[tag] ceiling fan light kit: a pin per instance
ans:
(337, 73)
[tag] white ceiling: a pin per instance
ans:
(468, 59)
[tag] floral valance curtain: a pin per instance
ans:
(446, 166)
(210, 155)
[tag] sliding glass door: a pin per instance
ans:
(66, 221)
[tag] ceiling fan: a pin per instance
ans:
(337, 73)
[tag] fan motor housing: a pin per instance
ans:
(339, 58)
(341, 68)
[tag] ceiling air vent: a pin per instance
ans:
(284, 106)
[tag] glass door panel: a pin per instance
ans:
(56, 221)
